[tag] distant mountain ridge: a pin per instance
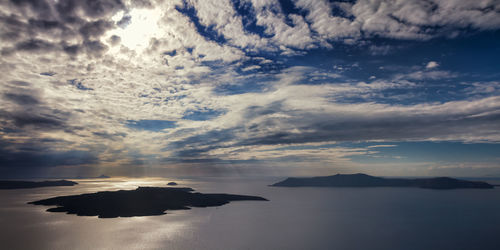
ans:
(364, 180)
(34, 184)
(102, 176)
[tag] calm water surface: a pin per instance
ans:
(294, 218)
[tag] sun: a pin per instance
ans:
(137, 27)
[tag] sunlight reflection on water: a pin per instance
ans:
(62, 231)
(303, 218)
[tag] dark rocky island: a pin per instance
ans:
(363, 180)
(142, 201)
(172, 183)
(34, 184)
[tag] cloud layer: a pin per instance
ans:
(128, 87)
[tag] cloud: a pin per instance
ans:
(78, 84)
(252, 67)
(382, 146)
(64, 26)
(293, 123)
(296, 34)
(21, 99)
(201, 115)
(431, 65)
(423, 20)
(238, 23)
(36, 163)
(235, 82)
(151, 125)
(224, 19)
(95, 29)
(482, 88)
(380, 50)
(23, 108)
(328, 26)
(429, 74)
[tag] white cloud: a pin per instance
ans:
(251, 67)
(226, 22)
(181, 71)
(326, 25)
(408, 19)
(269, 15)
(431, 65)
(427, 74)
(382, 146)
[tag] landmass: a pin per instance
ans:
(364, 180)
(143, 201)
(34, 184)
(102, 176)
(172, 183)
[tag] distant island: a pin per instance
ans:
(102, 176)
(143, 201)
(172, 183)
(34, 184)
(364, 180)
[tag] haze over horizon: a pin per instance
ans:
(215, 88)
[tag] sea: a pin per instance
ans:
(304, 218)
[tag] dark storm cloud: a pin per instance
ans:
(193, 153)
(212, 137)
(92, 48)
(256, 111)
(30, 118)
(68, 10)
(95, 48)
(13, 28)
(397, 127)
(39, 6)
(124, 22)
(21, 99)
(72, 20)
(27, 111)
(25, 114)
(95, 29)
(19, 164)
(262, 128)
(49, 73)
(43, 25)
(37, 121)
(35, 45)
(91, 8)
(111, 136)
(72, 50)
(20, 83)
(115, 40)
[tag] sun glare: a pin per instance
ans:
(142, 25)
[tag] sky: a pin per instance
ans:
(266, 88)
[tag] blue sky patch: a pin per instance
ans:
(201, 115)
(151, 125)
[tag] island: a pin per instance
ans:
(172, 183)
(364, 180)
(102, 176)
(143, 201)
(34, 184)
